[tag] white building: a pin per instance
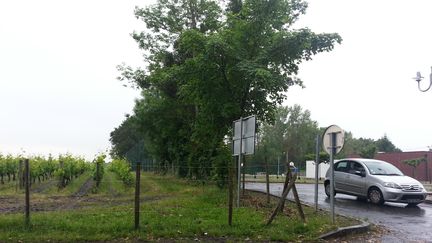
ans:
(310, 169)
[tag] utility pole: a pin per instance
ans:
(316, 171)
(277, 176)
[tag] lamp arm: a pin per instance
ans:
(430, 83)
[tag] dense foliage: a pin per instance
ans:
(294, 131)
(8, 167)
(69, 168)
(367, 147)
(123, 171)
(63, 169)
(208, 66)
(125, 137)
(42, 168)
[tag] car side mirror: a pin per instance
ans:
(360, 173)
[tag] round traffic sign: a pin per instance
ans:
(327, 136)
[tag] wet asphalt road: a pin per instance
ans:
(407, 224)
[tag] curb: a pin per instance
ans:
(360, 228)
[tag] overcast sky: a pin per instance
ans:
(59, 93)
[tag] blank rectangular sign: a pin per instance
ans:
(249, 126)
(248, 141)
(237, 132)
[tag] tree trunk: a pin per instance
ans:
(193, 15)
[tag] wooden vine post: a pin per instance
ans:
(289, 184)
(230, 192)
(297, 198)
(137, 194)
(27, 191)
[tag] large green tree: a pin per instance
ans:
(301, 134)
(292, 131)
(124, 137)
(385, 145)
(366, 147)
(208, 66)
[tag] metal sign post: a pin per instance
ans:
(243, 144)
(332, 153)
(316, 172)
(333, 140)
(239, 162)
(277, 176)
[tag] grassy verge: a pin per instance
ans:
(111, 185)
(171, 209)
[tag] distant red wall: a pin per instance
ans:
(423, 172)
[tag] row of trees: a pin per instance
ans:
(367, 147)
(208, 65)
(295, 132)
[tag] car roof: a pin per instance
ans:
(362, 160)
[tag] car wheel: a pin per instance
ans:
(375, 196)
(327, 189)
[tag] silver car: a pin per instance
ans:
(375, 180)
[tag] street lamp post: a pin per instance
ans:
(419, 78)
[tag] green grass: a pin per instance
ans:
(72, 187)
(170, 209)
(9, 187)
(111, 185)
